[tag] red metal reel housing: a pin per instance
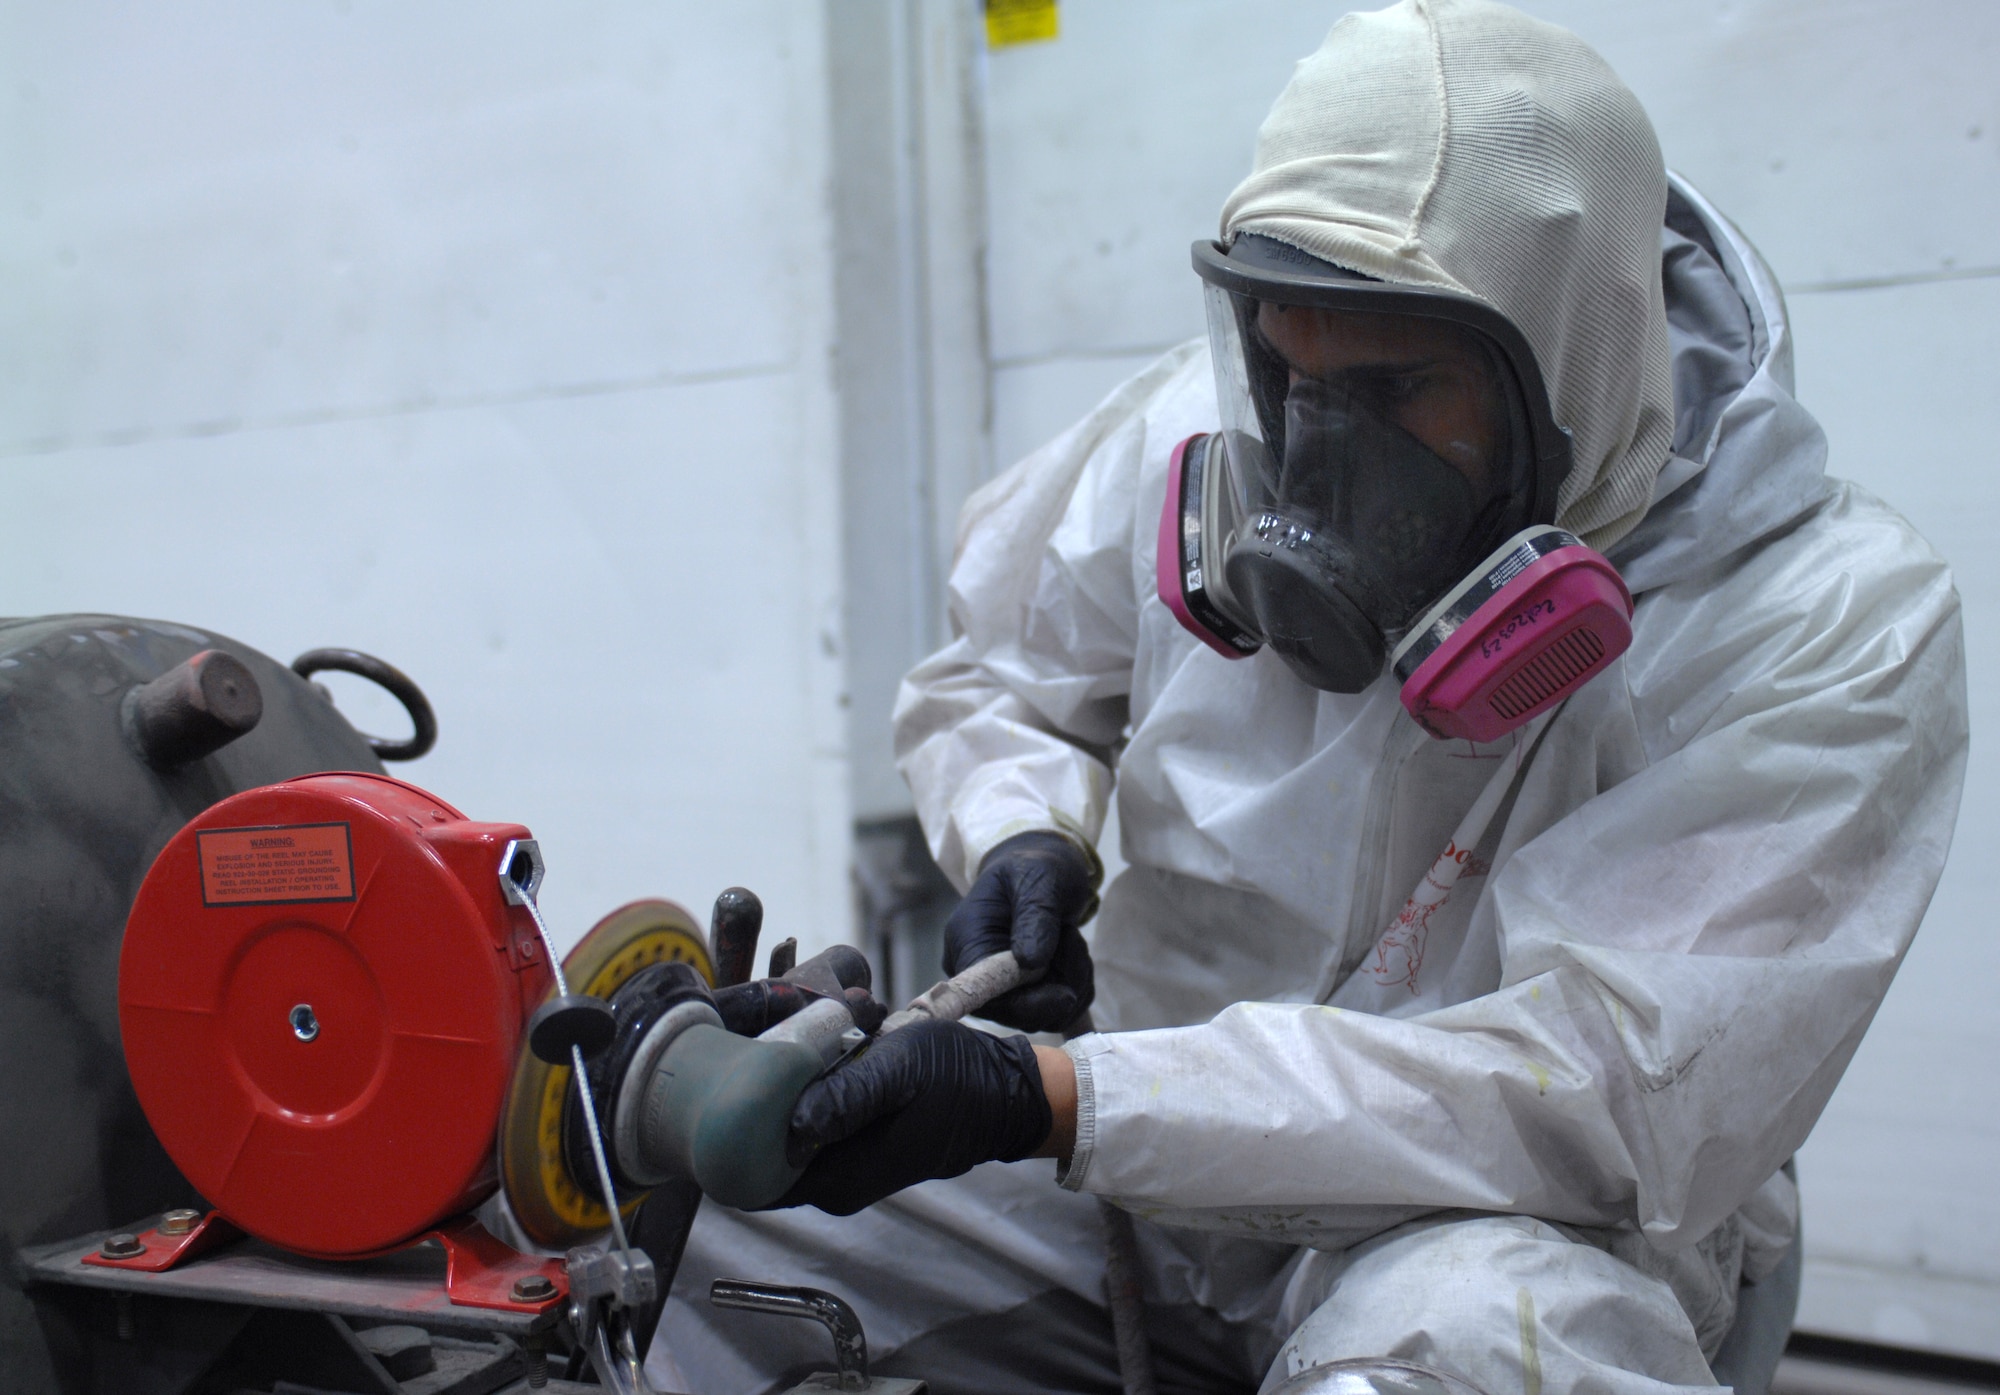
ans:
(322, 994)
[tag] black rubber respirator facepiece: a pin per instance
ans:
(1387, 467)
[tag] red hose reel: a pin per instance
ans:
(322, 993)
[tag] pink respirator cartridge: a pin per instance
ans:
(1533, 623)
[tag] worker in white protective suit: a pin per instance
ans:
(1487, 1055)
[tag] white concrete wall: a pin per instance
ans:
(492, 338)
(1859, 145)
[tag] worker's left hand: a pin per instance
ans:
(934, 1099)
(1033, 894)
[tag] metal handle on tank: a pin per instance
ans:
(423, 721)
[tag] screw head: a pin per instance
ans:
(534, 1288)
(123, 1245)
(179, 1222)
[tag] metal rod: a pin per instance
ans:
(850, 1346)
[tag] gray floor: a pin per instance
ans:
(1798, 1375)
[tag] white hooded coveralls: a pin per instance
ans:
(1620, 1005)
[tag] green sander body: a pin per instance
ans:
(716, 1107)
(697, 1101)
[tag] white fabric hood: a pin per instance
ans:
(1462, 145)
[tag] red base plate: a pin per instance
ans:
(480, 1269)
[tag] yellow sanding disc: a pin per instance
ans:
(545, 1199)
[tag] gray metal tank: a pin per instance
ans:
(110, 740)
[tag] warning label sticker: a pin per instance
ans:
(274, 865)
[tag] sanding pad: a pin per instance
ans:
(545, 1199)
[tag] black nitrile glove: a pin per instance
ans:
(934, 1099)
(1034, 892)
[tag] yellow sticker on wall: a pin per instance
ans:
(1019, 22)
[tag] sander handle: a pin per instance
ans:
(964, 992)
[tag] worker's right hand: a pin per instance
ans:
(1033, 895)
(934, 1099)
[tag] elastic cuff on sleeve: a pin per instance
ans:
(1053, 821)
(1079, 835)
(1079, 1051)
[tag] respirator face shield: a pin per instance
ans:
(1383, 448)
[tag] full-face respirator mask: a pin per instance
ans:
(1383, 488)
